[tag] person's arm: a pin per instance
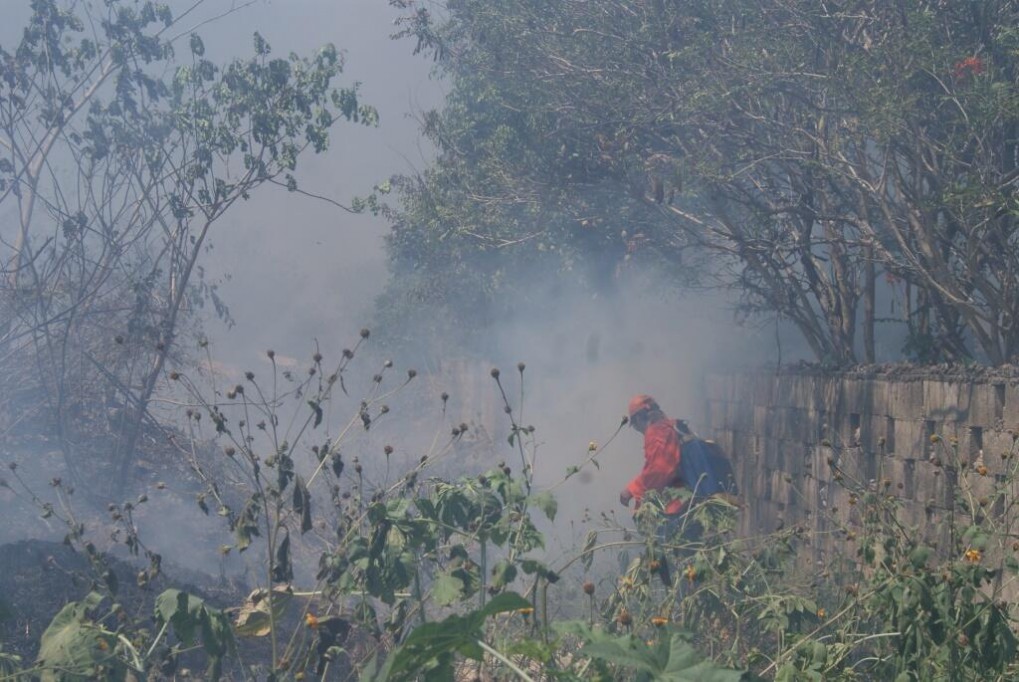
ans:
(661, 457)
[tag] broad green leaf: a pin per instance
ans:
(447, 589)
(72, 646)
(547, 503)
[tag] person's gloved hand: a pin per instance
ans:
(625, 497)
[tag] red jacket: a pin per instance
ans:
(661, 461)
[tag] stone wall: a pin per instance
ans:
(785, 430)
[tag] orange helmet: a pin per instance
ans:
(641, 402)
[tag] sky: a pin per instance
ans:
(308, 266)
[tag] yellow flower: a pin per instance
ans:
(690, 573)
(935, 438)
(103, 645)
(659, 621)
(981, 469)
(526, 611)
(973, 555)
(821, 613)
(311, 620)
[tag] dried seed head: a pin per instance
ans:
(588, 588)
(388, 449)
(317, 357)
(444, 396)
(347, 353)
(229, 451)
(174, 376)
(249, 375)
(384, 409)
(365, 333)
(271, 353)
(411, 373)
(521, 367)
(387, 364)
(377, 378)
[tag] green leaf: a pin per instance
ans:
(72, 646)
(447, 589)
(546, 502)
(192, 620)
(431, 648)
(672, 660)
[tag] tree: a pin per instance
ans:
(118, 159)
(801, 147)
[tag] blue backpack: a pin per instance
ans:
(703, 467)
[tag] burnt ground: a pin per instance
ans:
(37, 578)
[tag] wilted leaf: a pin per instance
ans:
(302, 503)
(251, 619)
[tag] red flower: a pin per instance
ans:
(970, 66)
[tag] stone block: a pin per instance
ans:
(1010, 407)
(978, 486)
(802, 391)
(820, 468)
(851, 395)
(997, 444)
(986, 404)
(905, 401)
(826, 394)
(912, 514)
(740, 414)
(910, 439)
(774, 457)
(780, 487)
(880, 397)
(791, 423)
(934, 484)
(941, 400)
(906, 475)
(874, 431)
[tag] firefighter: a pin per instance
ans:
(661, 453)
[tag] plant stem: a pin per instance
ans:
(509, 664)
